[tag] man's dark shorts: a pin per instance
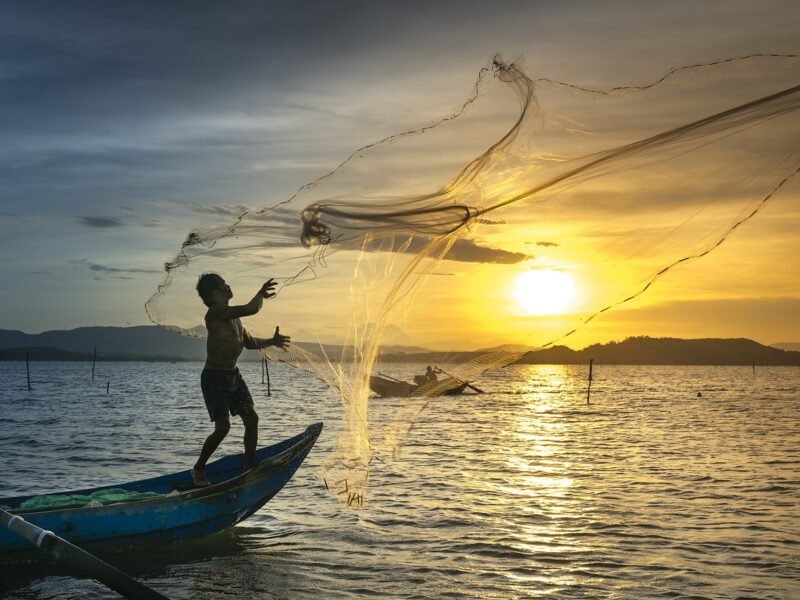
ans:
(224, 391)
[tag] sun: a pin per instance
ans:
(545, 292)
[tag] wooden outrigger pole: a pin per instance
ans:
(87, 564)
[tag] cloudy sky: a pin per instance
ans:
(123, 126)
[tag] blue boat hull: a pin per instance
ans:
(180, 511)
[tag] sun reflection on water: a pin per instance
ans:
(542, 472)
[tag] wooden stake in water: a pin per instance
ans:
(589, 389)
(94, 360)
(28, 370)
(754, 369)
(108, 386)
(266, 370)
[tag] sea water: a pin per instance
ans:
(671, 482)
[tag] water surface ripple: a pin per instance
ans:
(648, 492)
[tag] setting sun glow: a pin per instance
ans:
(545, 292)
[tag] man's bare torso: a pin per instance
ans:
(224, 344)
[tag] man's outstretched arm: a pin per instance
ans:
(228, 313)
(277, 340)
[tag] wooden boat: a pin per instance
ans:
(394, 388)
(179, 512)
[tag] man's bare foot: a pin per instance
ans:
(199, 477)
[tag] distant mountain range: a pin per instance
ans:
(794, 346)
(146, 342)
(668, 351)
(156, 344)
(132, 343)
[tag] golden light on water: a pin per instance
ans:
(545, 292)
(541, 472)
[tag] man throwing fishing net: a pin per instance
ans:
(224, 390)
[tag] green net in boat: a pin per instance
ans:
(98, 498)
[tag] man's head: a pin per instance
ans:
(213, 289)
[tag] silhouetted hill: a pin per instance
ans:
(41, 354)
(431, 357)
(510, 348)
(143, 341)
(667, 351)
(56, 354)
(146, 342)
(400, 349)
(793, 346)
(155, 343)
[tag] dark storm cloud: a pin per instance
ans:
(108, 270)
(77, 74)
(117, 64)
(101, 222)
(469, 251)
(149, 96)
(140, 96)
(463, 250)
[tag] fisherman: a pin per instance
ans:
(430, 374)
(428, 377)
(224, 390)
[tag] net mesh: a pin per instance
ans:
(617, 186)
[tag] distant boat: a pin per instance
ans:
(179, 511)
(395, 388)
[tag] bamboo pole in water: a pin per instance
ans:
(589, 388)
(94, 360)
(28, 370)
(266, 370)
(86, 564)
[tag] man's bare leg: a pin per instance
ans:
(250, 421)
(221, 428)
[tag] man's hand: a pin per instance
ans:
(281, 341)
(266, 289)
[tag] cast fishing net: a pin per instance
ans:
(423, 231)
